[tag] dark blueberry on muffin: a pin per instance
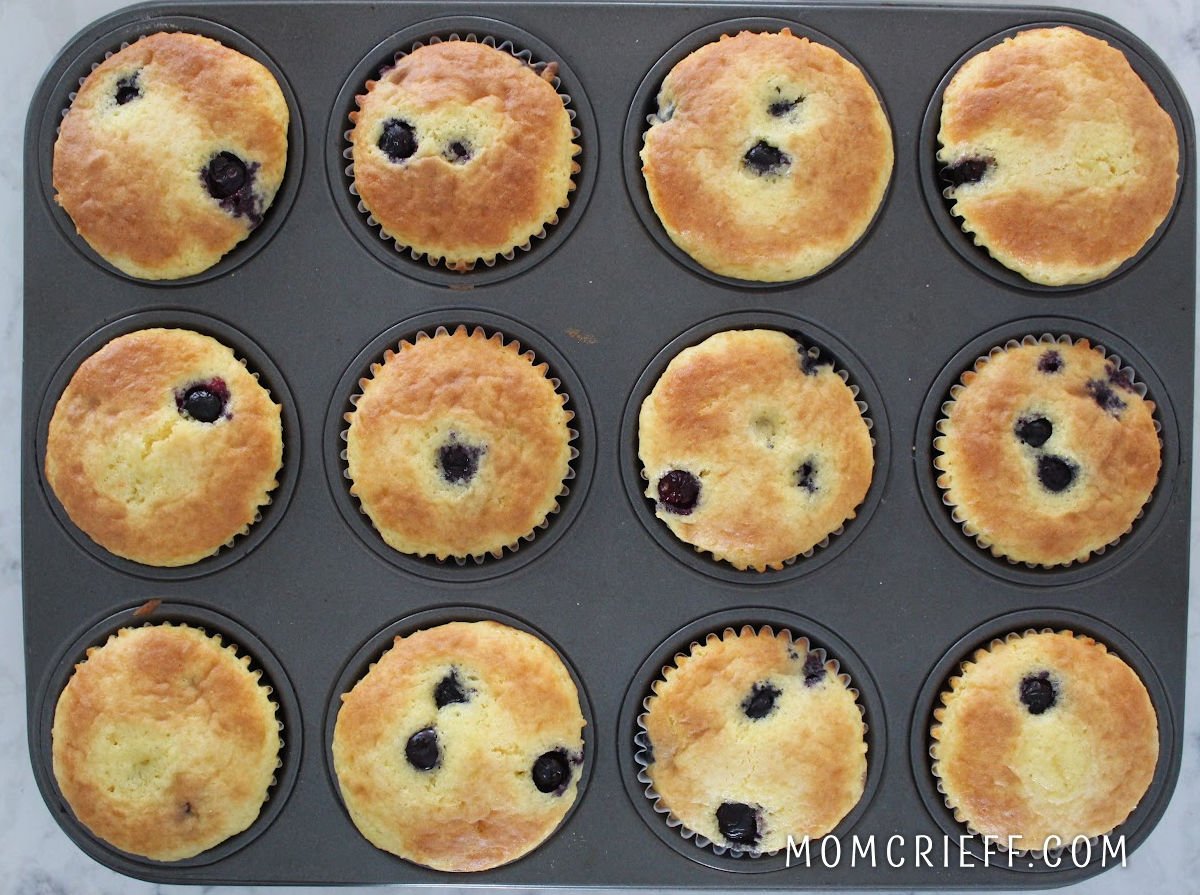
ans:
(967, 170)
(1038, 693)
(1105, 396)
(1055, 473)
(1050, 362)
(678, 491)
(422, 750)
(814, 670)
(128, 88)
(763, 158)
(230, 180)
(459, 462)
(458, 152)
(1034, 432)
(761, 700)
(450, 690)
(781, 107)
(806, 476)
(398, 140)
(204, 402)
(738, 823)
(551, 772)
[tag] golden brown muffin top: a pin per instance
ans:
(754, 738)
(463, 152)
(1069, 162)
(461, 748)
(1044, 734)
(135, 465)
(170, 154)
(459, 445)
(165, 742)
(768, 157)
(753, 450)
(1048, 452)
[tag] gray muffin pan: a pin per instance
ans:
(314, 295)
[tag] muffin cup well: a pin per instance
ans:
(1144, 63)
(580, 438)
(232, 635)
(818, 345)
(847, 665)
(986, 636)
(643, 112)
(943, 478)
(263, 369)
(370, 652)
(522, 46)
(641, 739)
(118, 39)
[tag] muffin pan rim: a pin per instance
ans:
(951, 226)
(643, 101)
(1144, 528)
(88, 51)
(385, 249)
(697, 630)
(557, 523)
(359, 663)
(1150, 807)
(801, 329)
(213, 622)
(257, 361)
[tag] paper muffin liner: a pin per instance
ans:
(244, 659)
(814, 354)
(947, 691)
(268, 497)
(572, 436)
(943, 477)
(547, 70)
(643, 754)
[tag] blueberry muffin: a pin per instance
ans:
(463, 152)
(752, 449)
(1044, 734)
(461, 749)
(163, 447)
(170, 154)
(1048, 452)
(768, 157)
(752, 738)
(458, 445)
(1058, 157)
(165, 743)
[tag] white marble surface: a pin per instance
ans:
(36, 858)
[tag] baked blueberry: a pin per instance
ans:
(1034, 431)
(806, 476)
(459, 462)
(1105, 397)
(450, 690)
(398, 140)
(1055, 473)
(763, 158)
(967, 170)
(1050, 362)
(224, 175)
(810, 364)
(1118, 377)
(1038, 692)
(422, 750)
(128, 88)
(814, 670)
(679, 491)
(738, 823)
(781, 107)
(761, 701)
(458, 152)
(552, 772)
(204, 402)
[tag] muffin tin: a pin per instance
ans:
(900, 597)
